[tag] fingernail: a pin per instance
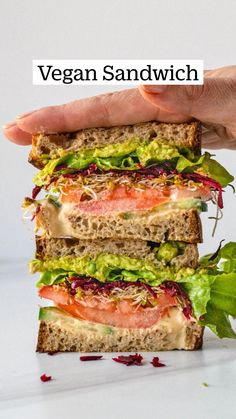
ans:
(157, 88)
(24, 115)
(9, 126)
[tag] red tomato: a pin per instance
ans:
(98, 310)
(70, 194)
(124, 199)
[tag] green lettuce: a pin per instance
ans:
(210, 167)
(212, 290)
(216, 171)
(226, 258)
(213, 299)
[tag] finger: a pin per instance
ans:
(125, 107)
(217, 137)
(16, 135)
(214, 101)
(117, 108)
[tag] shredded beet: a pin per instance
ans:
(156, 362)
(205, 180)
(45, 378)
(149, 172)
(187, 311)
(52, 352)
(174, 289)
(36, 191)
(152, 171)
(149, 289)
(170, 288)
(60, 167)
(90, 357)
(140, 166)
(87, 283)
(135, 359)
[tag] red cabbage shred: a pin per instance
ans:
(135, 359)
(90, 357)
(45, 378)
(87, 283)
(36, 191)
(205, 180)
(156, 362)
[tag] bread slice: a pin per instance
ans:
(183, 135)
(67, 221)
(47, 248)
(59, 331)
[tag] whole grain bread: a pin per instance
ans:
(47, 248)
(183, 135)
(172, 332)
(177, 225)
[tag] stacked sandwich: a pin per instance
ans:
(117, 221)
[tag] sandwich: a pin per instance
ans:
(118, 213)
(113, 296)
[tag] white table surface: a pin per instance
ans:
(104, 389)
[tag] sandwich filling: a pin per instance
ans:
(119, 304)
(118, 195)
(133, 154)
(130, 177)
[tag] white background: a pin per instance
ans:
(99, 29)
(103, 29)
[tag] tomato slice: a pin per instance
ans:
(124, 199)
(99, 310)
(70, 194)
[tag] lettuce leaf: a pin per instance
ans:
(226, 258)
(212, 291)
(218, 321)
(198, 288)
(213, 299)
(184, 163)
(223, 260)
(216, 171)
(54, 277)
(210, 167)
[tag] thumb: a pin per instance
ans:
(214, 101)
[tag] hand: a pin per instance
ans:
(214, 104)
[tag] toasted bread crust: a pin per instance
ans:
(184, 135)
(54, 336)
